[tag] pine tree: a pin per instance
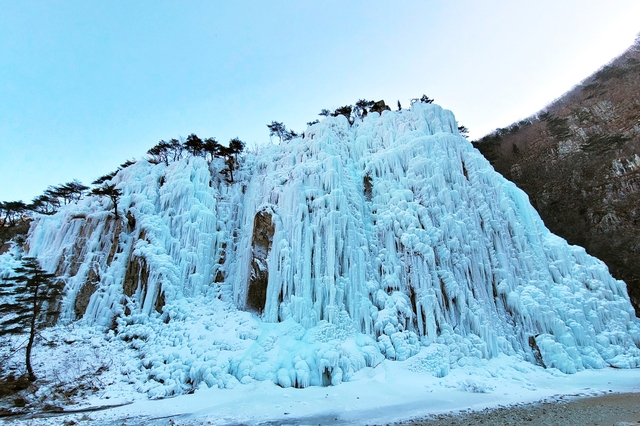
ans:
(72, 191)
(26, 294)
(160, 153)
(127, 164)
(230, 155)
(12, 211)
(464, 132)
(211, 147)
(176, 149)
(109, 190)
(289, 134)
(424, 99)
(68, 192)
(236, 146)
(194, 145)
(362, 107)
(344, 110)
(227, 154)
(278, 129)
(104, 179)
(44, 204)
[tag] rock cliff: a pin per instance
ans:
(579, 162)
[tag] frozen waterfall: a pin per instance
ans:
(328, 253)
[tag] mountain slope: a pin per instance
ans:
(385, 238)
(579, 162)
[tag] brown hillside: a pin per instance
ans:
(579, 161)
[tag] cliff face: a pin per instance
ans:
(328, 253)
(9, 233)
(579, 162)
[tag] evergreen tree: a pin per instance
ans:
(277, 129)
(231, 165)
(344, 110)
(72, 191)
(211, 147)
(236, 146)
(160, 152)
(126, 164)
(68, 192)
(289, 134)
(44, 204)
(103, 179)
(227, 154)
(109, 190)
(424, 99)
(194, 145)
(325, 113)
(12, 211)
(176, 149)
(311, 123)
(464, 132)
(399, 106)
(362, 107)
(25, 296)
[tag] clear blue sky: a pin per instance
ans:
(86, 85)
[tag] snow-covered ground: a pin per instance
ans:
(389, 392)
(83, 367)
(392, 391)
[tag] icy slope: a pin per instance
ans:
(329, 253)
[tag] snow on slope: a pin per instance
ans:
(329, 253)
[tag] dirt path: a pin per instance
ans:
(613, 409)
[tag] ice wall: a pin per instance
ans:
(353, 242)
(175, 223)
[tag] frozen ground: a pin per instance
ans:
(618, 409)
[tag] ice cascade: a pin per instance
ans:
(385, 238)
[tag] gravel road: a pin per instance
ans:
(612, 409)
